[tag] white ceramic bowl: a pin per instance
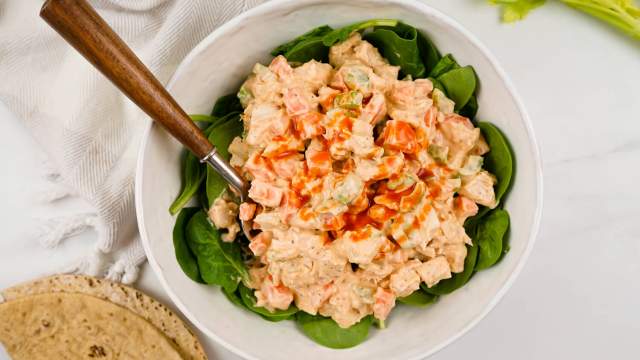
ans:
(217, 66)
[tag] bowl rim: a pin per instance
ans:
(475, 42)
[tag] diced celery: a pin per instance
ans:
(331, 206)
(348, 189)
(472, 165)
(245, 96)
(365, 294)
(438, 153)
(442, 102)
(402, 182)
(259, 69)
(356, 79)
(350, 100)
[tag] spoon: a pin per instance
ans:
(81, 26)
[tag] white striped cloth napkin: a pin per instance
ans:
(88, 129)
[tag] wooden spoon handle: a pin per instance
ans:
(86, 31)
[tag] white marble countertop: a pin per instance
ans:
(577, 297)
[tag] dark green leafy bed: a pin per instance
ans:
(205, 258)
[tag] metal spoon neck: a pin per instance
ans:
(230, 174)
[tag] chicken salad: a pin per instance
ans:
(368, 184)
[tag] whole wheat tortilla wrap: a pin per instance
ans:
(125, 298)
(77, 326)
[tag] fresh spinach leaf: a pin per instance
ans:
(234, 296)
(226, 104)
(193, 171)
(185, 257)
(202, 196)
(445, 64)
(471, 108)
(460, 84)
(437, 85)
(217, 122)
(219, 262)
(341, 34)
(499, 160)
(399, 45)
(418, 298)
(203, 118)
(490, 232)
(249, 300)
(307, 50)
(193, 174)
(326, 332)
(221, 136)
(506, 247)
(312, 34)
(428, 53)
(457, 280)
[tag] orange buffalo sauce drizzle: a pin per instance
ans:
(358, 221)
(434, 190)
(361, 234)
(285, 154)
(266, 162)
(424, 173)
(306, 214)
(392, 195)
(420, 217)
(320, 157)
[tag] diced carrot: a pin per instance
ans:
(291, 203)
(319, 163)
(399, 135)
(464, 207)
(422, 138)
